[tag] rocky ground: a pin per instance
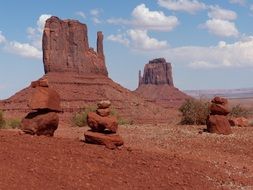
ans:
(153, 157)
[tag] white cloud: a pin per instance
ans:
(95, 12)
(141, 41)
(153, 20)
(223, 14)
(240, 2)
(24, 50)
(31, 49)
(2, 38)
(223, 55)
(190, 6)
(143, 18)
(96, 20)
(221, 28)
(120, 38)
(81, 14)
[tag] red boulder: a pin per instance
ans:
(109, 140)
(99, 123)
(218, 124)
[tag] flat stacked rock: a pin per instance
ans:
(103, 127)
(239, 121)
(45, 103)
(217, 121)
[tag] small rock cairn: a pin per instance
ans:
(45, 103)
(103, 127)
(217, 121)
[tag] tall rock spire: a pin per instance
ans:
(66, 48)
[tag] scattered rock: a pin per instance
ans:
(109, 140)
(240, 122)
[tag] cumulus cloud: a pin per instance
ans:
(141, 41)
(223, 55)
(240, 2)
(24, 50)
(31, 49)
(143, 18)
(221, 28)
(120, 38)
(156, 20)
(190, 6)
(223, 14)
(2, 38)
(95, 12)
(81, 14)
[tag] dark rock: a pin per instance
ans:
(40, 123)
(218, 109)
(109, 140)
(66, 48)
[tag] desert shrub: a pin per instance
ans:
(121, 121)
(194, 112)
(2, 121)
(13, 123)
(239, 111)
(80, 119)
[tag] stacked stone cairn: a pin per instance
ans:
(217, 121)
(103, 127)
(44, 103)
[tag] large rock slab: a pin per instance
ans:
(219, 109)
(99, 123)
(66, 48)
(109, 140)
(45, 98)
(218, 124)
(40, 123)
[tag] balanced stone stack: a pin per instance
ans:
(217, 121)
(45, 103)
(103, 127)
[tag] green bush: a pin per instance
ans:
(194, 112)
(2, 121)
(13, 123)
(80, 119)
(239, 111)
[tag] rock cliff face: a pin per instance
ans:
(66, 48)
(156, 85)
(157, 72)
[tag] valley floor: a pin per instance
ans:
(153, 157)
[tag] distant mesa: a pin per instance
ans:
(66, 48)
(157, 72)
(156, 85)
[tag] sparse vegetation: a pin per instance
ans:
(239, 111)
(80, 119)
(194, 112)
(13, 123)
(2, 121)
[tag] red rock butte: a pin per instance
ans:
(79, 75)
(156, 85)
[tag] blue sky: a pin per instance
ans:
(209, 43)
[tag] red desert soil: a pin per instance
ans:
(154, 157)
